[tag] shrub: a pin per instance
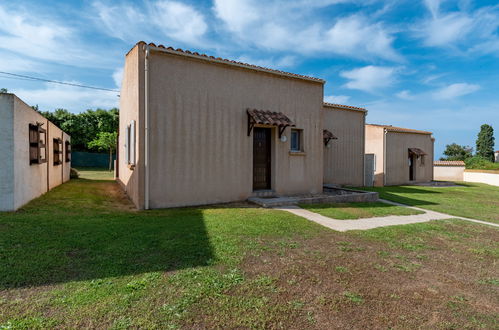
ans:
(73, 174)
(480, 163)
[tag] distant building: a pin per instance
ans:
(36, 154)
(401, 155)
(496, 156)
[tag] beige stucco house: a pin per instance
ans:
(36, 154)
(402, 155)
(344, 154)
(195, 129)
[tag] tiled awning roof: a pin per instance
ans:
(328, 135)
(416, 151)
(265, 117)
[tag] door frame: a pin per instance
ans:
(270, 148)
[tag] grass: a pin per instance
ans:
(81, 257)
(347, 211)
(95, 173)
(471, 200)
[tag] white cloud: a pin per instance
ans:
(51, 96)
(370, 78)
(284, 26)
(470, 30)
(175, 20)
(118, 77)
(236, 14)
(337, 99)
(405, 95)
(40, 37)
(179, 21)
(455, 90)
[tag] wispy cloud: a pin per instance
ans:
(405, 95)
(453, 91)
(337, 99)
(469, 30)
(173, 20)
(52, 96)
(370, 78)
(284, 26)
(41, 37)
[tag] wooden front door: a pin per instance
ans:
(261, 158)
(412, 167)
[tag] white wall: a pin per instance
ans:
(448, 173)
(482, 177)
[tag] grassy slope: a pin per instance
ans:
(345, 211)
(80, 256)
(472, 200)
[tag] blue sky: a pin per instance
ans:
(428, 64)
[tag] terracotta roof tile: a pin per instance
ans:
(328, 135)
(266, 117)
(391, 128)
(342, 106)
(180, 51)
(448, 163)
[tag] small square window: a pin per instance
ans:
(57, 149)
(67, 145)
(37, 147)
(296, 140)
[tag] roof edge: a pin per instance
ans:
(343, 107)
(396, 129)
(204, 57)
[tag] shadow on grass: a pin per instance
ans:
(69, 234)
(394, 193)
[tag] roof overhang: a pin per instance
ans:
(417, 152)
(268, 118)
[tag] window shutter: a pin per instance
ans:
(132, 142)
(127, 145)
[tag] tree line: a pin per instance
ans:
(484, 150)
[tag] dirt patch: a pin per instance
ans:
(341, 281)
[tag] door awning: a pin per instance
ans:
(416, 151)
(266, 117)
(328, 136)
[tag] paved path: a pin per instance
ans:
(370, 223)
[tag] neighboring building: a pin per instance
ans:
(448, 170)
(197, 130)
(344, 154)
(402, 155)
(36, 154)
(496, 156)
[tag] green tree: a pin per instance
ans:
(3, 90)
(105, 141)
(485, 142)
(456, 152)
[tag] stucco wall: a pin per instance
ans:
(200, 151)
(375, 145)
(344, 158)
(6, 152)
(490, 178)
(20, 182)
(448, 173)
(30, 181)
(397, 164)
(131, 108)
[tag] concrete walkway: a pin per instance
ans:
(370, 223)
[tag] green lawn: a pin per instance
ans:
(471, 200)
(95, 173)
(81, 257)
(347, 211)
